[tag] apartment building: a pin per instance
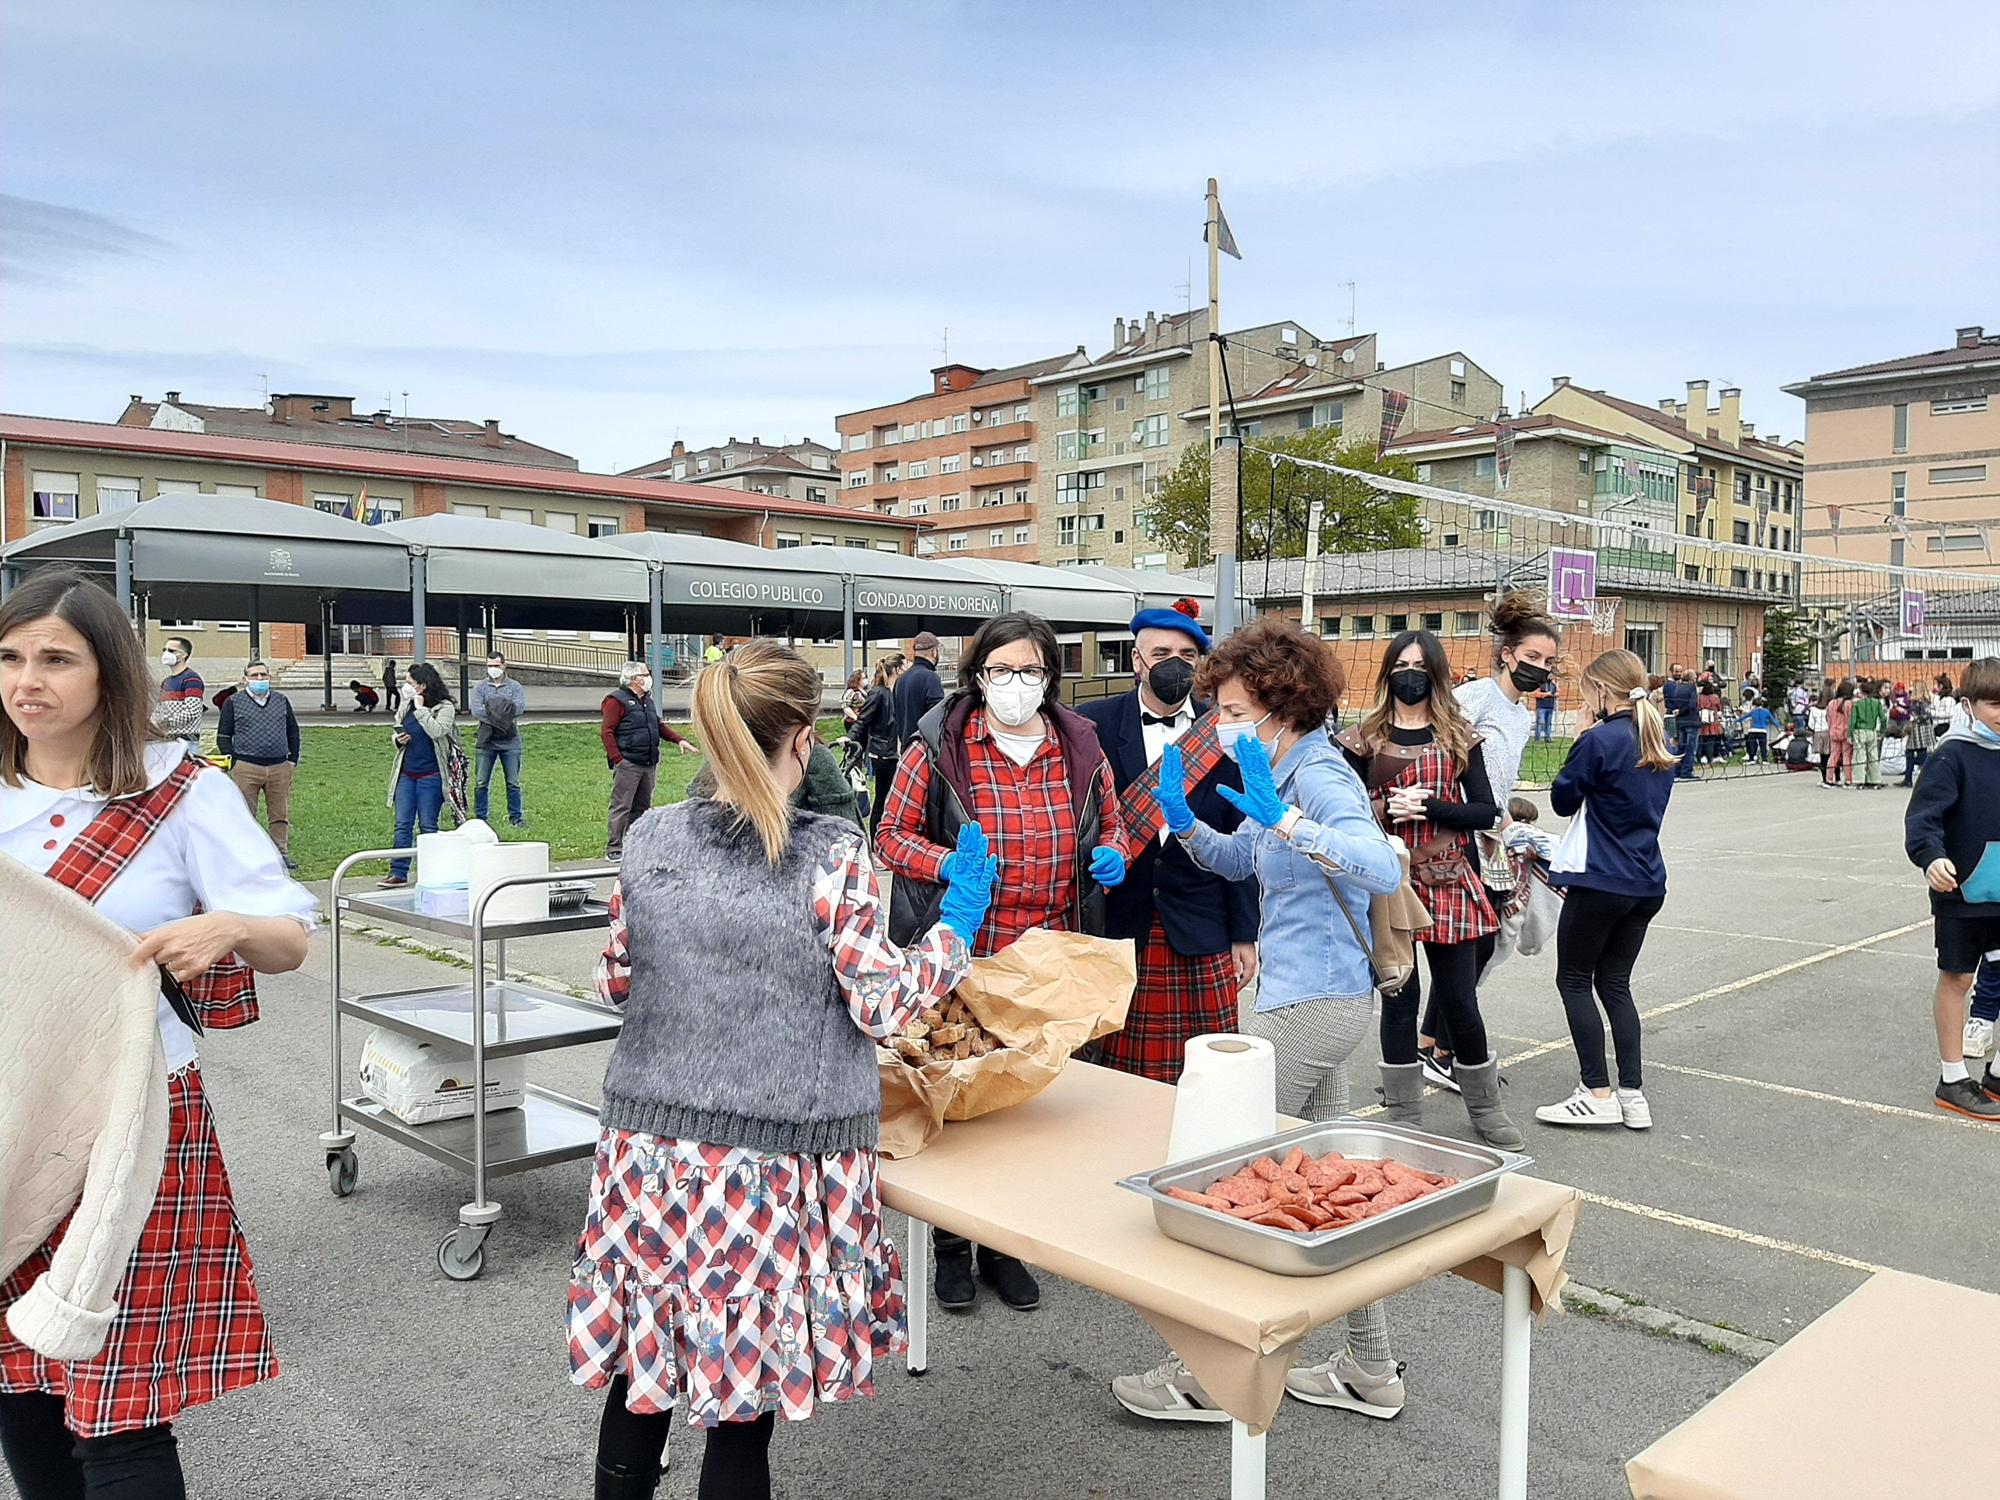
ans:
(804, 470)
(1904, 456)
(1735, 486)
(962, 456)
(307, 418)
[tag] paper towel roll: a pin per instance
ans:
(442, 858)
(1228, 1094)
(492, 863)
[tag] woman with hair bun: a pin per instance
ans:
(1614, 789)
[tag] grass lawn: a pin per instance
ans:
(1542, 759)
(340, 799)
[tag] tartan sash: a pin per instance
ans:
(226, 996)
(1201, 752)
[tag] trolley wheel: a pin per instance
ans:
(455, 1267)
(342, 1168)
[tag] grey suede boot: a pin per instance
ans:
(1481, 1087)
(1403, 1093)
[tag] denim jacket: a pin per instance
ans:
(1306, 949)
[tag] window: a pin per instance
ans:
(1899, 427)
(996, 538)
(789, 539)
(1740, 533)
(860, 543)
(1485, 520)
(885, 437)
(1451, 539)
(1066, 403)
(604, 526)
(857, 478)
(1899, 486)
(1434, 623)
(1468, 622)
(1788, 538)
(1959, 474)
(1364, 627)
(822, 539)
(1327, 414)
(1329, 627)
(1394, 623)
(888, 473)
(894, 547)
(1458, 369)
(1157, 383)
(1023, 535)
(1090, 523)
(1483, 468)
(701, 466)
(1458, 393)
(908, 434)
(920, 507)
(1020, 496)
(523, 517)
(1691, 573)
(116, 494)
(245, 491)
(955, 542)
(1070, 487)
(332, 502)
(1739, 578)
(1954, 407)
(857, 441)
(1150, 433)
(961, 423)
(816, 494)
(1960, 542)
(384, 508)
(1583, 461)
(919, 468)
(54, 496)
(1066, 530)
(951, 463)
(951, 502)
(1066, 446)
(1423, 473)
(1692, 529)
(562, 520)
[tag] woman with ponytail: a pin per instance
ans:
(734, 1262)
(1614, 789)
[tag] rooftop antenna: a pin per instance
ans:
(1352, 324)
(406, 421)
(1187, 289)
(945, 347)
(265, 376)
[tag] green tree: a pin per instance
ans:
(1788, 651)
(1277, 500)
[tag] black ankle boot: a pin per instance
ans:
(956, 1290)
(616, 1482)
(1012, 1280)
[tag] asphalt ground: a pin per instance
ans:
(1789, 1059)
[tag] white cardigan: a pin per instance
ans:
(83, 1108)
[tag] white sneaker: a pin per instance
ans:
(1342, 1382)
(1167, 1393)
(1638, 1114)
(1978, 1037)
(1582, 1108)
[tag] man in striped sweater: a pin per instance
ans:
(182, 703)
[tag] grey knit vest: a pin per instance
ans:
(736, 1032)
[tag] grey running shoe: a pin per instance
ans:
(1167, 1393)
(1342, 1382)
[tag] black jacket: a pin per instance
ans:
(918, 691)
(875, 726)
(1955, 813)
(1683, 703)
(1200, 913)
(914, 903)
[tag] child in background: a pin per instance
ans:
(1522, 836)
(1758, 723)
(1985, 1008)
(1952, 834)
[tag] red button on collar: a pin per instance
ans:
(55, 820)
(50, 844)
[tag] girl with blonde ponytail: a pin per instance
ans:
(746, 935)
(1613, 789)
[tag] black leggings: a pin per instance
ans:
(1454, 991)
(1435, 1026)
(49, 1462)
(1597, 942)
(885, 773)
(735, 1463)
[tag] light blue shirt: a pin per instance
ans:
(1306, 949)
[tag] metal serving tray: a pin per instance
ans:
(1478, 1168)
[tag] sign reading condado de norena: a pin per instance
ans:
(871, 598)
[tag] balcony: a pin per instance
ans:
(1007, 473)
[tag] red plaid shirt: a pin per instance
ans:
(1029, 818)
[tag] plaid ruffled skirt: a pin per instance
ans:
(732, 1282)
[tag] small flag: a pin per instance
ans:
(1394, 404)
(1833, 520)
(1224, 240)
(361, 506)
(1503, 453)
(1704, 491)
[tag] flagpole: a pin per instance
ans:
(1222, 473)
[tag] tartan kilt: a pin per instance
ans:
(1177, 998)
(189, 1327)
(1460, 912)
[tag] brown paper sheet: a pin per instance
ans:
(1809, 1422)
(1043, 996)
(1041, 1182)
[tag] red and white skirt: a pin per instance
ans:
(1177, 998)
(732, 1282)
(1460, 912)
(189, 1326)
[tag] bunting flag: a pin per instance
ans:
(361, 506)
(1224, 240)
(1394, 404)
(1704, 491)
(1503, 453)
(1833, 520)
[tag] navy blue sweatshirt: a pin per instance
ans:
(1955, 814)
(1626, 802)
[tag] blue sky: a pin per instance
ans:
(611, 225)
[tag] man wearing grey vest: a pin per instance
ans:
(632, 731)
(259, 735)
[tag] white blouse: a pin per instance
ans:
(210, 852)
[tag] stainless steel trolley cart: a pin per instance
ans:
(517, 1019)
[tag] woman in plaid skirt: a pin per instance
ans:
(1427, 780)
(734, 1261)
(94, 797)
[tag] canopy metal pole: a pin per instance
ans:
(487, 612)
(256, 624)
(847, 632)
(6, 583)
(464, 662)
(122, 553)
(418, 627)
(326, 653)
(656, 646)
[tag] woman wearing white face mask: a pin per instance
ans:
(1003, 751)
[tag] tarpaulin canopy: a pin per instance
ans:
(531, 577)
(1062, 596)
(712, 584)
(900, 595)
(1159, 590)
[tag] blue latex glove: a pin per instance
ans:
(969, 872)
(1172, 792)
(1259, 800)
(1107, 866)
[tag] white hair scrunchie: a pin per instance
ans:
(1638, 695)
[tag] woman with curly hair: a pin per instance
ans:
(1309, 839)
(1427, 780)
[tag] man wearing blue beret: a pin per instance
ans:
(1195, 933)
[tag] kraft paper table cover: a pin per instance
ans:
(1803, 1423)
(1040, 1181)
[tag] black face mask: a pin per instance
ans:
(1171, 681)
(1528, 677)
(1410, 685)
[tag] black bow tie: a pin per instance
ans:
(1166, 722)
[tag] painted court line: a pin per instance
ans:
(1754, 937)
(1929, 1117)
(1733, 986)
(1724, 1231)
